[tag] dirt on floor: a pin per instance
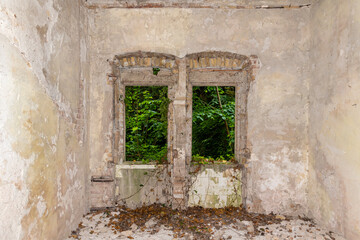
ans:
(160, 222)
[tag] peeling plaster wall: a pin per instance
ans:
(141, 185)
(211, 186)
(215, 186)
(277, 106)
(334, 130)
(42, 167)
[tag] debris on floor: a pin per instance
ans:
(163, 223)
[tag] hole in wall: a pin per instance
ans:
(213, 124)
(146, 113)
(200, 69)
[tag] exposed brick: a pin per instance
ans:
(125, 62)
(148, 62)
(207, 62)
(213, 62)
(168, 65)
(221, 61)
(132, 61)
(202, 62)
(163, 62)
(227, 63)
(196, 63)
(218, 61)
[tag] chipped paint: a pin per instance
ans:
(277, 103)
(302, 107)
(334, 131)
(215, 186)
(43, 173)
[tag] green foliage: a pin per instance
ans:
(213, 124)
(156, 71)
(146, 123)
(197, 159)
(212, 140)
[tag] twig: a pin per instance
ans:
(221, 107)
(122, 199)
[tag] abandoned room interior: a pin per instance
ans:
(287, 73)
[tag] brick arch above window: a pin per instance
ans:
(223, 61)
(213, 68)
(218, 60)
(145, 60)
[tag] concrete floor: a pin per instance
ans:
(96, 226)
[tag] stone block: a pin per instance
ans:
(125, 62)
(155, 62)
(213, 62)
(147, 62)
(218, 62)
(168, 65)
(196, 63)
(202, 62)
(235, 63)
(227, 63)
(207, 62)
(191, 63)
(162, 62)
(132, 61)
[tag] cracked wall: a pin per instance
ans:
(277, 104)
(334, 131)
(42, 128)
(215, 186)
(197, 69)
(303, 103)
(231, 4)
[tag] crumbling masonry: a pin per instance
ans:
(179, 74)
(63, 68)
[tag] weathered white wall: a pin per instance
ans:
(334, 129)
(42, 169)
(142, 184)
(215, 186)
(307, 56)
(277, 107)
(211, 186)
